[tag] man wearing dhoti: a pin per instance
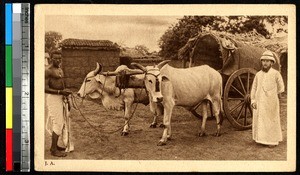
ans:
(57, 105)
(267, 84)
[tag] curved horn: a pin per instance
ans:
(161, 64)
(139, 66)
(98, 69)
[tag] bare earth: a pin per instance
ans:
(140, 144)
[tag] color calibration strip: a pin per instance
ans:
(9, 87)
(17, 64)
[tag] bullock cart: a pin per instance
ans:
(238, 61)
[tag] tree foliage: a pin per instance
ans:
(51, 41)
(189, 26)
(142, 49)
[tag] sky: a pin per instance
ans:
(124, 30)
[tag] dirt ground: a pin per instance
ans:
(141, 142)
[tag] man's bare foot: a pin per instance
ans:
(60, 148)
(58, 154)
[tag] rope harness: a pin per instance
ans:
(86, 80)
(157, 88)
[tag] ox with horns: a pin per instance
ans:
(188, 88)
(102, 85)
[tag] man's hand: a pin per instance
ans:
(65, 92)
(253, 105)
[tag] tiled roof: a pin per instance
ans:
(89, 44)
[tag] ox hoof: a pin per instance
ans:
(124, 133)
(202, 134)
(162, 126)
(217, 134)
(160, 143)
(211, 118)
(153, 125)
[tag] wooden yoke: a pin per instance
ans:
(126, 78)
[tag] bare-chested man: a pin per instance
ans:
(55, 89)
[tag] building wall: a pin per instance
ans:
(77, 63)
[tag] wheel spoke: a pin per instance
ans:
(237, 90)
(240, 112)
(245, 119)
(249, 107)
(237, 106)
(240, 80)
(248, 82)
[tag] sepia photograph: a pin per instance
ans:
(165, 88)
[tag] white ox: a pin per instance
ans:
(184, 87)
(103, 85)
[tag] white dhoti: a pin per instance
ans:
(55, 121)
(58, 120)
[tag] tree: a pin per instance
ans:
(51, 41)
(142, 49)
(177, 35)
(189, 26)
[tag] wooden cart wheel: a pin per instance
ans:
(236, 101)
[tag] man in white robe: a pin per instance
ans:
(267, 84)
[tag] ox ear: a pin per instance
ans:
(161, 64)
(164, 79)
(94, 95)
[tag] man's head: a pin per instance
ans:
(56, 58)
(267, 59)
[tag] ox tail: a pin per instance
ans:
(221, 104)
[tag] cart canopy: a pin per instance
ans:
(224, 52)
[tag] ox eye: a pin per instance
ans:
(150, 81)
(87, 80)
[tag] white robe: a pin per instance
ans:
(266, 128)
